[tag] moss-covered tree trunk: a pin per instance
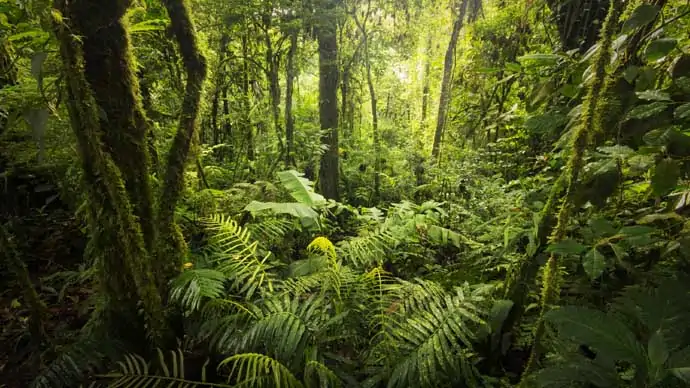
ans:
(109, 70)
(124, 267)
(172, 245)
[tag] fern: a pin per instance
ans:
(368, 249)
(236, 257)
(258, 370)
(136, 372)
(432, 335)
(191, 286)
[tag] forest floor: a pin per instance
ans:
(49, 242)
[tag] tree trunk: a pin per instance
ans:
(272, 70)
(249, 133)
(425, 90)
(328, 102)
(289, 118)
(374, 122)
(445, 84)
(124, 269)
(109, 65)
(172, 246)
(227, 128)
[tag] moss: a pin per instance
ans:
(170, 247)
(109, 70)
(124, 269)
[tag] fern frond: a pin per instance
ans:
(367, 250)
(192, 285)
(236, 257)
(433, 336)
(285, 326)
(259, 370)
(320, 372)
(76, 362)
(135, 372)
(271, 230)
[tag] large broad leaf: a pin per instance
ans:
(606, 334)
(642, 15)
(665, 176)
(682, 112)
(301, 189)
(679, 364)
(659, 48)
(645, 111)
(540, 59)
(594, 263)
(566, 247)
(305, 213)
(654, 95)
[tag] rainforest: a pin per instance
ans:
(345, 193)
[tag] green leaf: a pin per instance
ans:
(594, 263)
(618, 251)
(636, 230)
(566, 247)
(645, 111)
(657, 350)
(606, 334)
(679, 364)
(148, 25)
(659, 48)
(300, 188)
(642, 15)
(651, 218)
(540, 59)
(682, 112)
(665, 178)
(653, 95)
(630, 73)
(305, 213)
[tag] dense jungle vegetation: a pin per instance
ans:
(345, 193)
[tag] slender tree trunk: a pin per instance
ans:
(246, 98)
(425, 89)
(328, 101)
(273, 80)
(289, 118)
(374, 123)
(172, 246)
(445, 84)
(227, 128)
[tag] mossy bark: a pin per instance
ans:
(109, 71)
(171, 247)
(124, 269)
